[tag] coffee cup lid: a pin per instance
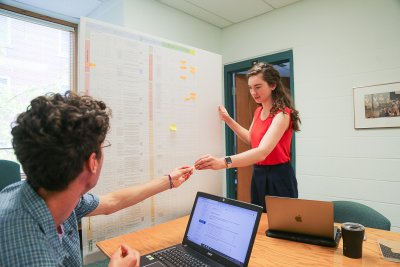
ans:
(350, 226)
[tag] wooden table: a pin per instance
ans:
(266, 251)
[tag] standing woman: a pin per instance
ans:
(270, 135)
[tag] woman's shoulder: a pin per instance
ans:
(288, 110)
(285, 110)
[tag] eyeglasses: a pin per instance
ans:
(106, 143)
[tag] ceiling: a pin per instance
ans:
(220, 13)
(70, 10)
(224, 13)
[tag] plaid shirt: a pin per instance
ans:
(28, 235)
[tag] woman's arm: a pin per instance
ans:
(240, 131)
(271, 138)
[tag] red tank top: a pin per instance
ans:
(281, 152)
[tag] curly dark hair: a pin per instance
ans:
(56, 135)
(281, 97)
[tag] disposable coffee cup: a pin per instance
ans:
(353, 237)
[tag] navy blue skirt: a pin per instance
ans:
(274, 180)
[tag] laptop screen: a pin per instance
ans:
(224, 227)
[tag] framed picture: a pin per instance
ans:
(377, 106)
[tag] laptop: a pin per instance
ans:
(301, 220)
(220, 232)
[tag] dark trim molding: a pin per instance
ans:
(229, 70)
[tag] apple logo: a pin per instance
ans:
(298, 218)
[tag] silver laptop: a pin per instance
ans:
(220, 232)
(307, 221)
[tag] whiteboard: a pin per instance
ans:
(164, 97)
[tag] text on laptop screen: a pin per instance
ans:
(222, 228)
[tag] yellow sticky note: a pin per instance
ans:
(92, 65)
(183, 77)
(172, 127)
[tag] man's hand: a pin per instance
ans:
(180, 175)
(125, 257)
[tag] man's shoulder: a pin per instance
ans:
(15, 220)
(87, 204)
(10, 200)
(15, 223)
(24, 241)
(23, 238)
(25, 248)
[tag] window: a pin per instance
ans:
(37, 56)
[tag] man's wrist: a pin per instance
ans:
(171, 184)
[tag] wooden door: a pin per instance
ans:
(245, 106)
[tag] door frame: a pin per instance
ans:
(229, 94)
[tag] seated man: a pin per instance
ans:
(59, 142)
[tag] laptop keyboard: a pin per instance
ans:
(178, 258)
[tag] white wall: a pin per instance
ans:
(151, 17)
(337, 45)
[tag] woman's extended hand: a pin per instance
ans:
(209, 162)
(223, 114)
(180, 175)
